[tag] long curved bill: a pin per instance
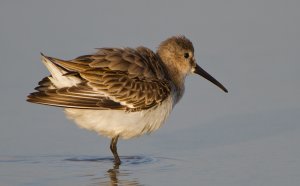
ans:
(198, 70)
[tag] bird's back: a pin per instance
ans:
(125, 79)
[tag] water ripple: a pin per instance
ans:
(126, 160)
(95, 170)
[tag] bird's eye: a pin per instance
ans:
(186, 55)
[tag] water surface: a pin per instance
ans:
(241, 150)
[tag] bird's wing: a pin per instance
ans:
(80, 96)
(127, 79)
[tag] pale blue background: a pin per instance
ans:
(249, 136)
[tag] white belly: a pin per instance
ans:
(127, 125)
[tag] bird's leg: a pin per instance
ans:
(113, 148)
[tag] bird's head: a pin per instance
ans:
(177, 53)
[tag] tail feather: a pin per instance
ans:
(58, 77)
(45, 84)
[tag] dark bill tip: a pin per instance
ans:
(203, 73)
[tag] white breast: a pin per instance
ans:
(127, 125)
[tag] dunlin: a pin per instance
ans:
(120, 92)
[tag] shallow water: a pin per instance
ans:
(248, 150)
(81, 170)
(245, 150)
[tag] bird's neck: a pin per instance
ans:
(178, 94)
(178, 79)
(175, 73)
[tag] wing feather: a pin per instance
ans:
(126, 79)
(74, 97)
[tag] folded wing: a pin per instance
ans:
(124, 79)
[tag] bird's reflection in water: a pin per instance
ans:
(117, 177)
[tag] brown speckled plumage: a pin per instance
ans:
(113, 78)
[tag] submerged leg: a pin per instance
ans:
(113, 148)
